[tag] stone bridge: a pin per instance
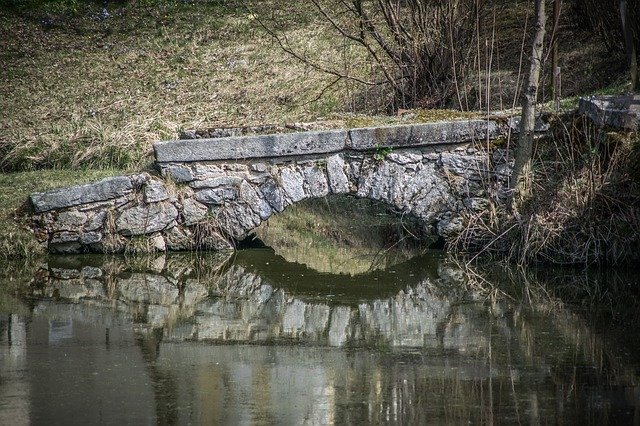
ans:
(210, 192)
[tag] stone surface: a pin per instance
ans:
(433, 171)
(193, 211)
(145, 219)
(235, 148)
(613, 111)
(216, 196)
(155, 191)
(104, 190)
(338, 180)
(445, 132)
(177, 172)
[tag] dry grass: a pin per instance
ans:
(583, 208)
(80, 91)
(96, 94)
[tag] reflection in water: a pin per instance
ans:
(165, 340)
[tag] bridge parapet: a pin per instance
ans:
(215, 191)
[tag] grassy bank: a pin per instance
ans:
(87, 87)
(90, 86)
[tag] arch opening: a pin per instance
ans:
(342, 234)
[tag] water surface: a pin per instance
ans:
(252, 338)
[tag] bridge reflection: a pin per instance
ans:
(417, 343)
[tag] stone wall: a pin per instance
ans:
(210, 193)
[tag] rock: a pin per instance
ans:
(178, 173)
(315, 181)
(476, 204)
(255, 200)
(69, 220)
(444, 132)
(158, 243)
(65, 248)
(193, 211)
(615, 111)
(96, 222)
(338, 180)
(104, 190)
(90, 238)
(450, 227)
(154, 191)
(273, 195)
(145, 219)
(293, 184)
(65, 237)
(179, 239)
(216, 196)
(216, 182)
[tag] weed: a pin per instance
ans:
(381, 153)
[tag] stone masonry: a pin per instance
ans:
(211, 192)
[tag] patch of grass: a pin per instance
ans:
(16, 240)
(343, 234)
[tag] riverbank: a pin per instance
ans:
(89, 88)
(583, 207)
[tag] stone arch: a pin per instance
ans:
(214, 191)
(241, 197)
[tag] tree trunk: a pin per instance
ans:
(630, 45)
(521, 177)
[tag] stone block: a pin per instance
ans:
(316, 181)
(216, 182)
(155, 191)
(273, 195)
(292, 183)
(216, 196)
(70, 220)
(103, 190)
(145, 219)
(193, 211)
(407, 135)
(264, 146)
(614, 111)
(338, 180)
(177, 172)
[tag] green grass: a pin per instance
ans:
(16, 240)
(342, 234)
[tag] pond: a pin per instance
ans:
(253, 338)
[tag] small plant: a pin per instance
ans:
(382, 152)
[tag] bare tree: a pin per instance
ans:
(521, 178)
(420, 48)
(629, 44)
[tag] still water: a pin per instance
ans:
(253, 339)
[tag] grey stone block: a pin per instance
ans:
(444, 132)
(103, 190)
(217, 195)
(615, 111)
(250, 146)
(155, 191)
(145, 219)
